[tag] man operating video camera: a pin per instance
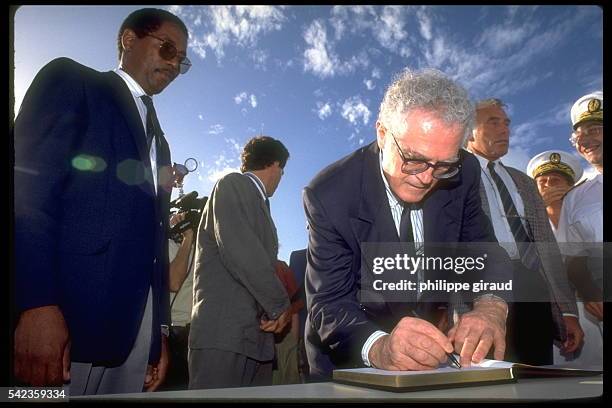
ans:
(183, 225)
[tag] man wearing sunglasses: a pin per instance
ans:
(413, 184)
(580, 231)
(92, 188)
(544, 307)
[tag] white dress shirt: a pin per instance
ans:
(501, 227)
(137, 92)
(416, 218)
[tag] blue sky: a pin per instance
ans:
(314, 76)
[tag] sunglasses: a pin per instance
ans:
(168, 52)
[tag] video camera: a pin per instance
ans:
(192, 207)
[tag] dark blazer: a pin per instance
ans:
(346, 205)
(235, 282)
(90, 233)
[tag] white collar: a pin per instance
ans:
(484, 162)
(132, 85)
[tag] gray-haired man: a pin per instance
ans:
(415, 163)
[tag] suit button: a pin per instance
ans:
(154, 260)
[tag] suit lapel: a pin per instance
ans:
(373, 224)
(373, 221)
(264, 208)
(127, 107)
(528, 205)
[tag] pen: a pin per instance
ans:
(452, 360)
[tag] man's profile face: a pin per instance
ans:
(552, 180)
(590, 143)
(490, 138)
(277, 173)
(427, 137)
(144, 63)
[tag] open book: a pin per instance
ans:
(487, 372)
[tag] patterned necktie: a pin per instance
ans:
(525, 245)
(153, 127)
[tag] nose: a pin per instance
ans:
(426, 177)
(174, 62)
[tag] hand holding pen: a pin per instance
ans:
(452, 361)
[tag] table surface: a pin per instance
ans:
(532, 389)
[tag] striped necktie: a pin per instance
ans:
(525, 245)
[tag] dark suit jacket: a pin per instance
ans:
(235, 282)
(89, 229)
(346, 205)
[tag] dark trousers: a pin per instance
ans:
(212, 368)
(529, 328)
(177, 376)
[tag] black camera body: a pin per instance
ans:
(192, 207)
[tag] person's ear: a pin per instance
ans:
(127, 39)
(381, 133)
(472, 135)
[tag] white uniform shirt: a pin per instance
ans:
(581, 218)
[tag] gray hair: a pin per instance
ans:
(486, 103)
(483, 104)
(429, 89)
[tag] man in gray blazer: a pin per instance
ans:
(545, 307)
(239, 303)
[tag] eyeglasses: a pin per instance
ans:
(168, 51)
(580, 133)
(441, 170)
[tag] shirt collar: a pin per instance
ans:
(484, 162)
(132, 85)
(260, 184)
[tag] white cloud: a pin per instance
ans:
(245, 97)
(424, 23)
(240, 98)
(500, 38)
(217, 27)
(200, 117)
(225, 163)
(323, 110)
(353, 109)
(320, 57)
(376, 73)
(369, 84)
(217, 173)
(390, 31)
(260, 57)
(317, 58)
(216, 129)
(520, 46)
